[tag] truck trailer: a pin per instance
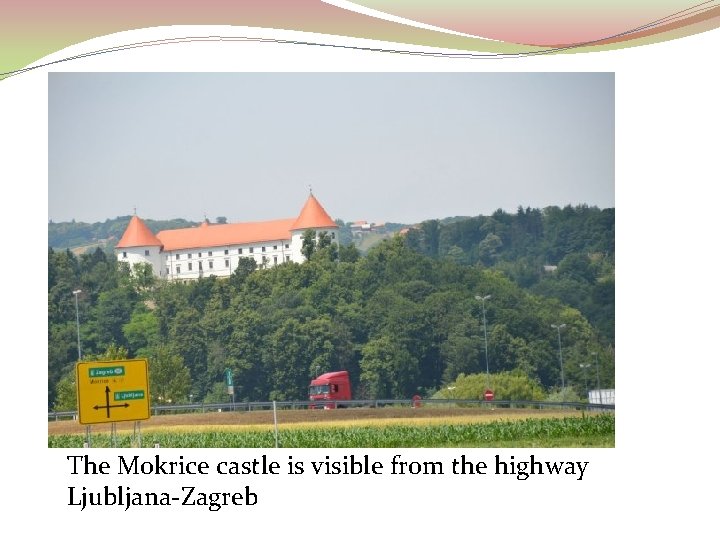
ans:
(329, 388)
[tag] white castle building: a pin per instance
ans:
(215, 249)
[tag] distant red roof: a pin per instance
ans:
(138, 234)
(312, 216)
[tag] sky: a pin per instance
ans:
(383, 147)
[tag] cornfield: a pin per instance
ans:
(586, 431)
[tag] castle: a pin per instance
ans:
(215, 249)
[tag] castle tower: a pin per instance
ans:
(139, 245)
(312, 216)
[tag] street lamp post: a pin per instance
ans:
(584, 368)
(77, 320)
(558, 327)
(487, 362)
(597, 371)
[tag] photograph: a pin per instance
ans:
(331, 260)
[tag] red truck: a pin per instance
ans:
(328, 388)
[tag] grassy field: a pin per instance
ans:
(398, 428)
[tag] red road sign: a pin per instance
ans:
(489, 395)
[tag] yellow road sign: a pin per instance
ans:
(112, 391)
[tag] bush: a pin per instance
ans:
(507, 385)
(569, 396)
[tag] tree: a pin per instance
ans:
(62, 352)
(113, 310)
(387, 370)
(169, 378)
(325, 247)
(187, 341)
(348, 253)
(142, 277)
(323, 240)
(287, 359)
(142, 332)
(460, 354)
(66, 392)
(488, 248)
(308, 243)
(457, 255)
(113, 352)
(245, 267)
(244, 352)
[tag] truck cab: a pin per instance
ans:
(329, 388)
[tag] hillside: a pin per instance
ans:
(80, 237)
(402, 319)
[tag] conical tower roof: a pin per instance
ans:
(313, 216)
(138, 234)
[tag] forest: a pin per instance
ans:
(403, 318)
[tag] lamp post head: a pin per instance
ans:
(78, 291)
(563, 325)
(483, 298)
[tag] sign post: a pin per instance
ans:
(489, 395)
(229, 384)
(112, 391)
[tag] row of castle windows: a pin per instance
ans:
(178, 268)
(263, 249)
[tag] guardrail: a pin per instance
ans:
(247, 406)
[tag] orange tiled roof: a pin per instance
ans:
(226, 235)
(313, 215)
(138, 234)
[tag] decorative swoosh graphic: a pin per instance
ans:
(550, 23)
(33, 29)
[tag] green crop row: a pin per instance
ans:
(588, 431)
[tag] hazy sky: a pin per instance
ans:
(399, 147)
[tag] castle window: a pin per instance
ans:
(227, 263)
(189, 255)
(200, 254)
(275, 248)
(332, 235)
(239, 251)
(167, 270)
(147, 252)
(263, 249)
(124, 254)
(252, 250)
(211, 265)
(209, 253)
(189, 267)
(177, 256)
(287, 258)
(177, 269)
(275, 260)
(200, 265)
(227, 251)
(287, 246)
